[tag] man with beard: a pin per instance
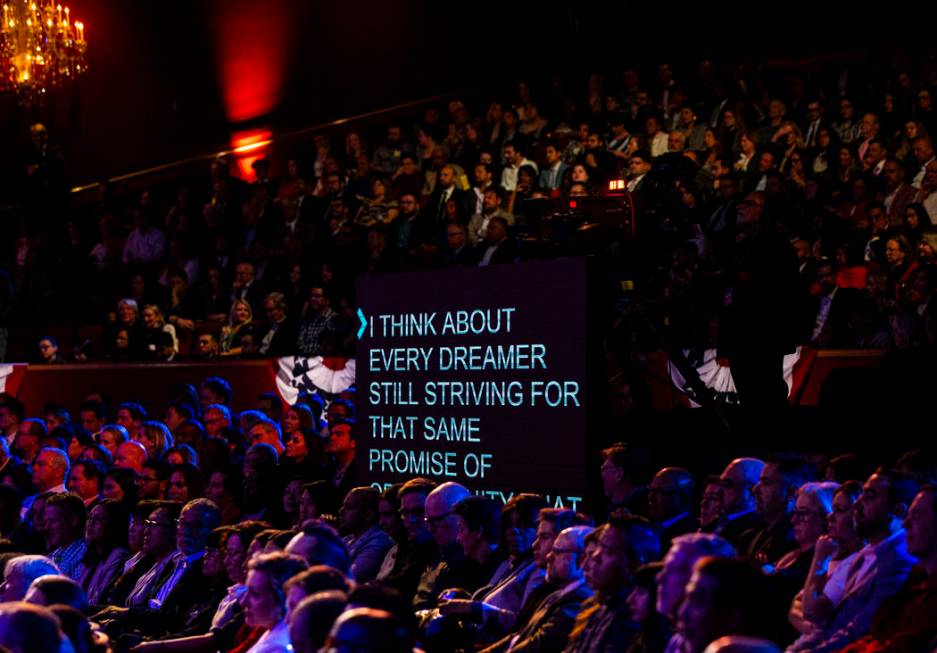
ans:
(880, 568)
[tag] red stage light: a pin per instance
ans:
(248, 147)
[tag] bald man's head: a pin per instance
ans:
(130, 455)
(443, 524)
(737, 482)
(670, 494)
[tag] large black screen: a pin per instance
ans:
(476, 376)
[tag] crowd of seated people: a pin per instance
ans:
(837, 159)
(210, 530)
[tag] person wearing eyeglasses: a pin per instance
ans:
(549, 626)
(775, 492)
(738, 502)
(451, 567)
(809, 519)
(670, 502)
(176, 582)
(418, 549)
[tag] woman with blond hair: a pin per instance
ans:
(239, 323)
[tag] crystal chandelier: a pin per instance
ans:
(40, 48)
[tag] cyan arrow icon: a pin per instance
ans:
(364, 323)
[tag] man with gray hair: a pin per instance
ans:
(266, 431)
(20, 572)
(684, 553)
(50, 469)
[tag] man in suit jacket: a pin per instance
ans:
(549, 627)
(446, 189)
(738, 502)
(457, 253)
(367, 543)
(279, 339)
(498, 246)
(880, 568)
(670, 501)
(247, 287)
(180, 583)
(551, 177)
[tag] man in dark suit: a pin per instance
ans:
(458, 253)
(247, 287)
(498, 246)
(549, 627)
(446, 189)
(181, 583)
(340, 445)
(670, 500)
(279, 339)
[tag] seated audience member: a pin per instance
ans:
(340, 446)
(624, 543)
(153, 480)
(810, 517)
(550, 624)
(653, 628)
(130, 455)
(710, 507)
(50, 470)
(185, 483)
(388, 518)
(131, 416)
(365, 630)
(65, 516)
(224, 489)
(833, 555)
(905, 621)
(266, 431)
(175, 584)
(500, 601)
(21, 571)
(738, 502)
(140, 559)
(181, 454)
(51, 590)
(320, 544)
(358, 523)
(670, 501)
(155, 438)
(417, 552)
(724, 597)
(112, 436)
(880, 568)
(107, 549)
(216, 418)
(29, 433)
(120, 484)
(312, 618)
(450, 568)
(265, 602)
(86, 479)
(774, 493)
(25, 628)
(214, 391)
(685, 552)
(623, 469)
(318, 578)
